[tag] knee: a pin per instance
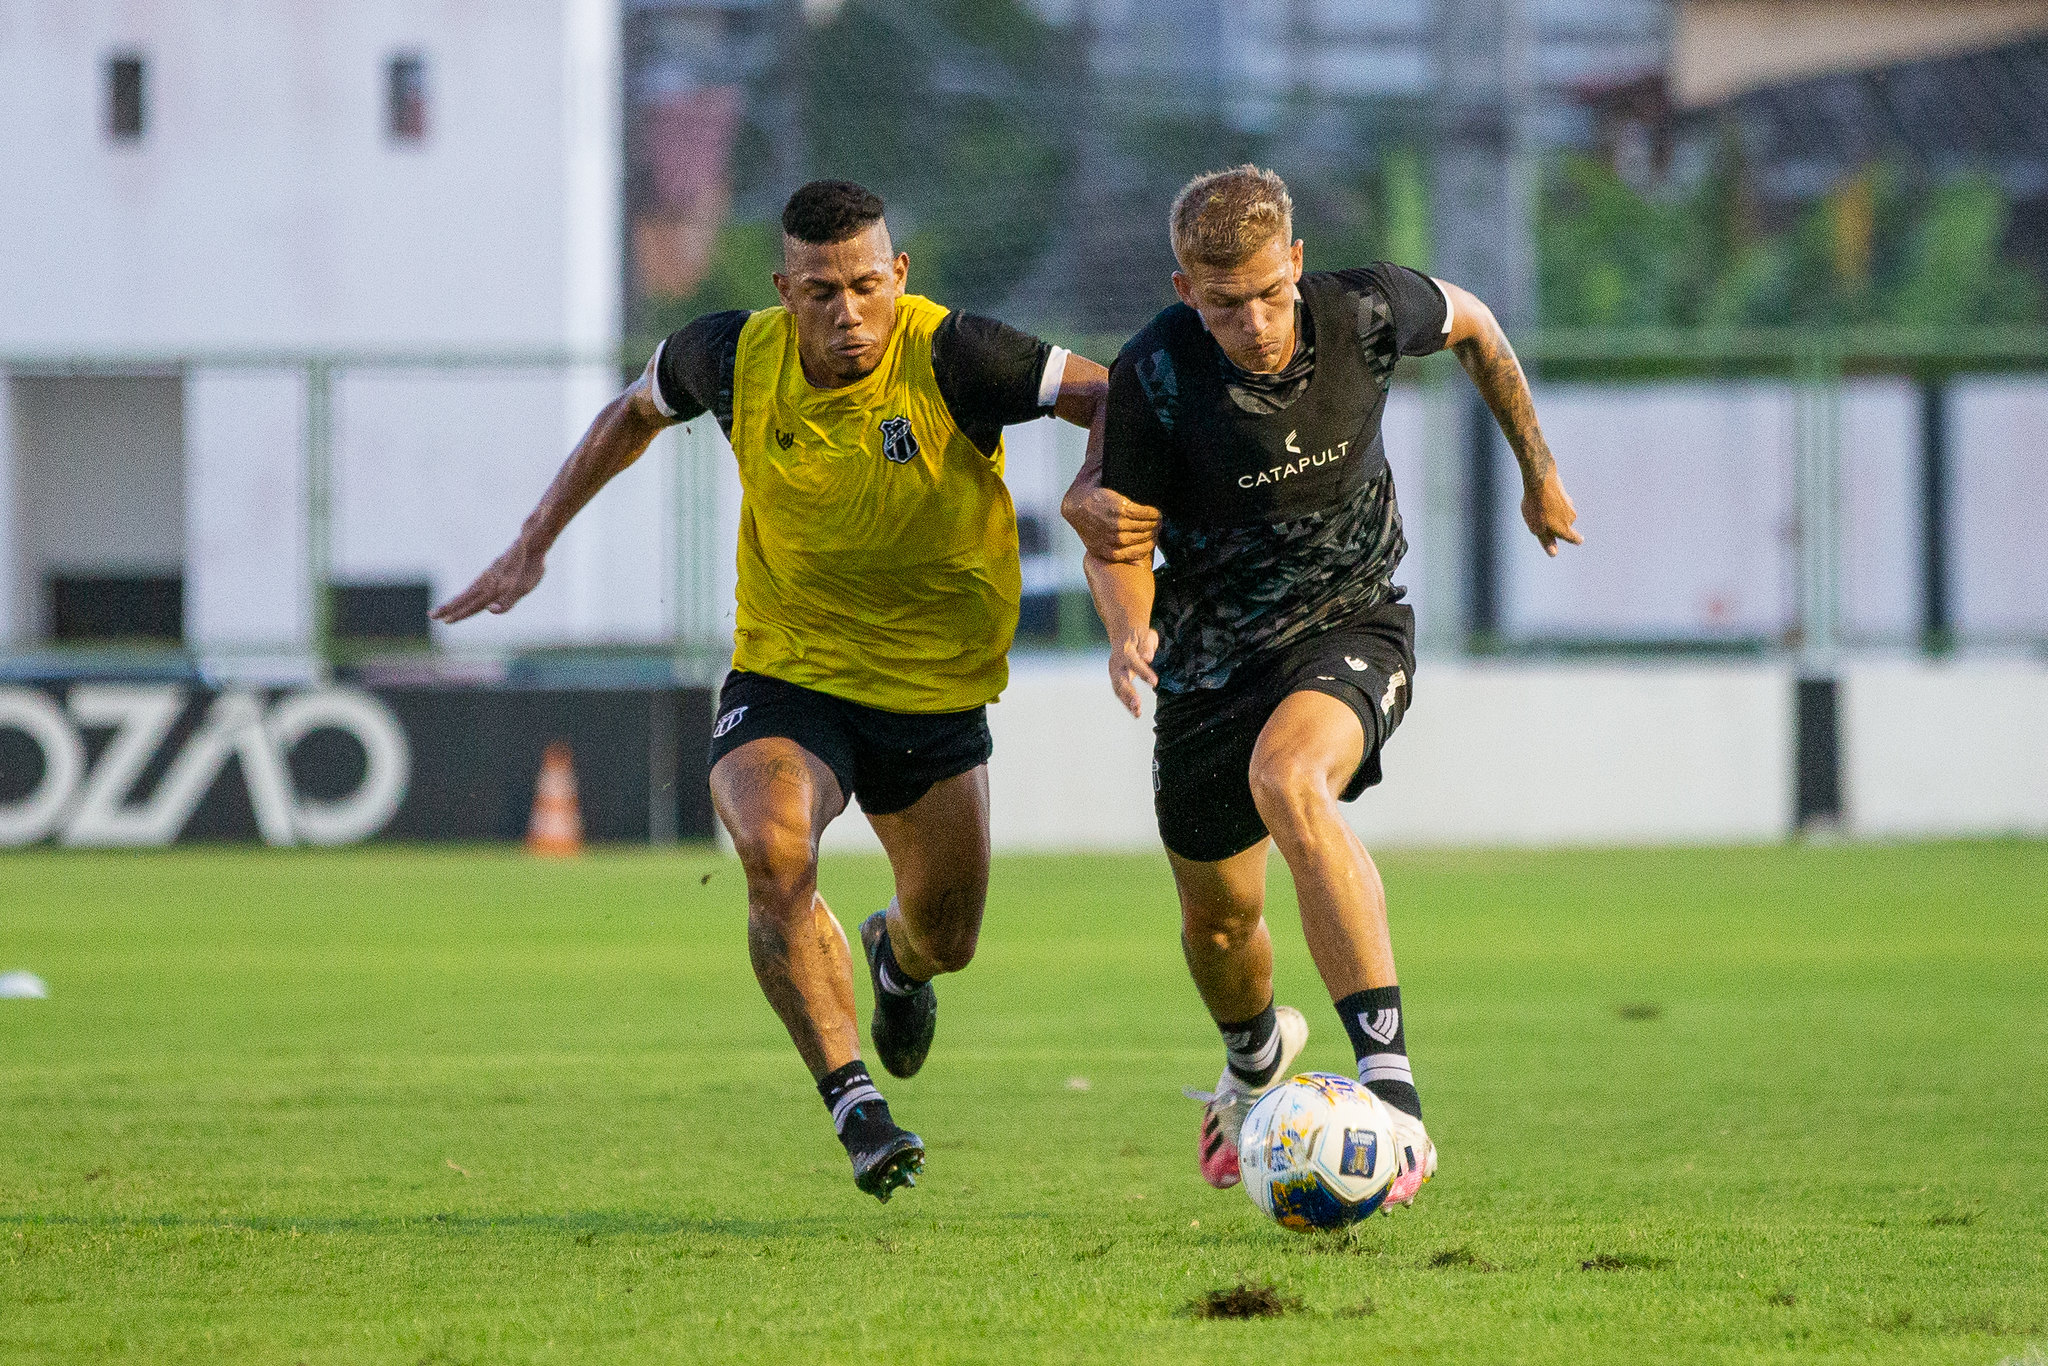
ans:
(1219, 929)
(947, 930)
(1291, 794)
(952, 951)
(781, 864)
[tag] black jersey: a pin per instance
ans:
(1278, 509)
(990, 374)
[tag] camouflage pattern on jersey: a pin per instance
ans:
(1377, 337)
(1228, 595)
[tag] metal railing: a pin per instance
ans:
(316, 370)
(1816, 361)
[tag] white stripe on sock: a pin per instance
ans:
(1382, 1025)
(889, 981)
(844, 1105)
(893, 984)
(1385, 1067)
(1261, 1061)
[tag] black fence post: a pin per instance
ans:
(1482, 540)
(1937, 629)
(1817, 778)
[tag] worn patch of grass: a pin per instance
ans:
(1608, 1261)
(1460, 1258)
(1245, 1300)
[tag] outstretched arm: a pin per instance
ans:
(618, 436)
(1482, 348)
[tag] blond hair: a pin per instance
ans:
(1222, 218)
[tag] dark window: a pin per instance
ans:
(135, 607)
(125, 103)
(405, 98)
(386, 613)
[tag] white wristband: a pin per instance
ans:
(1055, 374)
(654, 388)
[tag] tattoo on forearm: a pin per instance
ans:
(1495, 372)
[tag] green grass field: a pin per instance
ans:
(1790, 1103)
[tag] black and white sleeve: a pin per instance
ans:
(1416, 304)
(993, 376)
(693, 368)
(1422, 311)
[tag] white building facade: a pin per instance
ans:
(204, 201)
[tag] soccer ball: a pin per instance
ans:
(1318, 1152)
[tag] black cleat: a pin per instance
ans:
(894, 1160)
(903, 1025)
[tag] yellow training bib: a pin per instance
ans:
(878, 547)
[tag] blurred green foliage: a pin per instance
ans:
(946, 123)
(1404, 190)
(972, 119)
(930, 104)
(1018, 187)
(1878, 249)
(744, 256)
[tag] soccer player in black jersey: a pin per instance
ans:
(1248, 415)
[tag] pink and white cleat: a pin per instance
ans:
(1418, 1159)
(1224, 1109)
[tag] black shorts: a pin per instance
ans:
(888, 759)
(1203, 740)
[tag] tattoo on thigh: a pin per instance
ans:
(757, 779)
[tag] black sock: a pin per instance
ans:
(1379, 1039)
(895, 980)
(1253, 1047)
(858, 1109)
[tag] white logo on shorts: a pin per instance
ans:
(1393, 686)
(728, 721)
(1360, 665)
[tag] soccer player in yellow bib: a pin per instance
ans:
(878, 594)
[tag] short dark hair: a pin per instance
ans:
(827, 211)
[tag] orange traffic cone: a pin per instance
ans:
(556, 830)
